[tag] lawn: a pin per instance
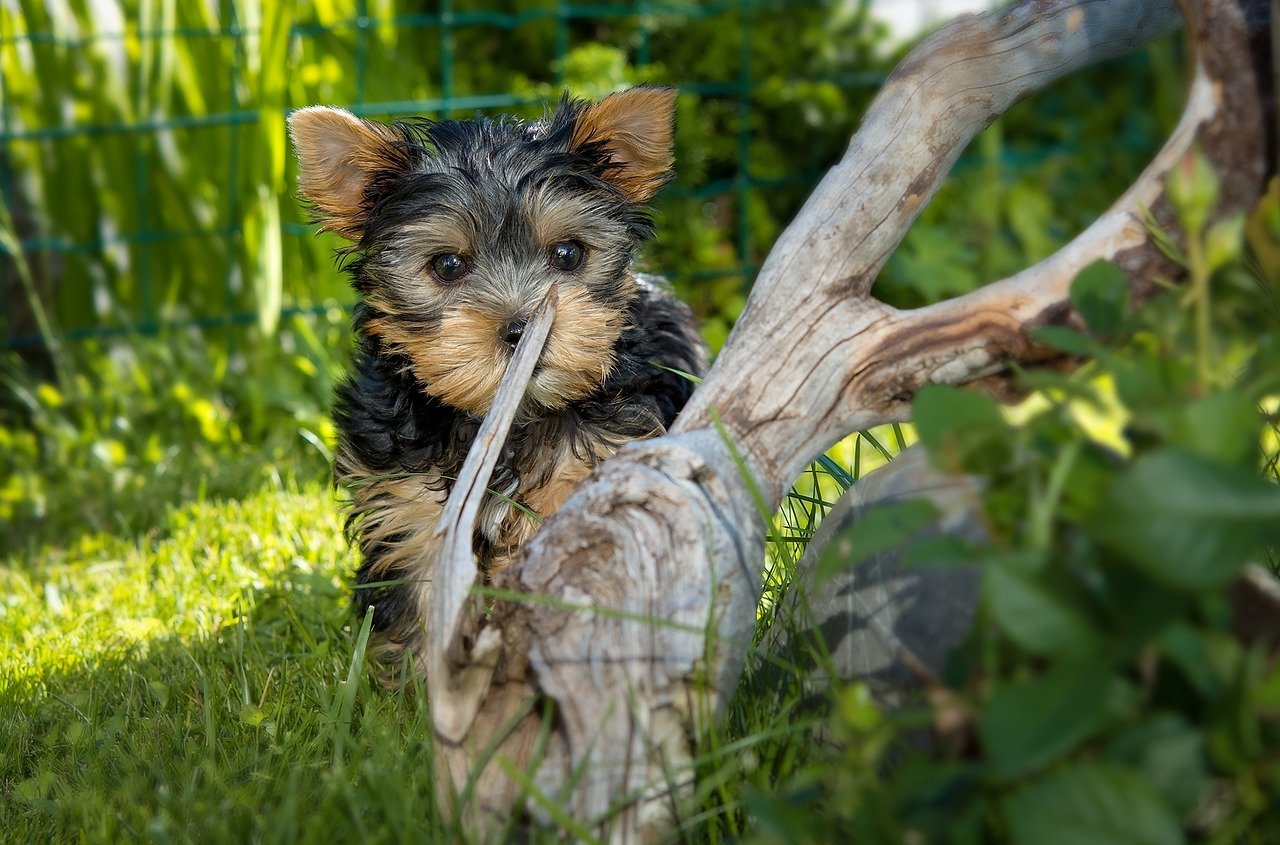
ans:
(204, 681)
(199, 683)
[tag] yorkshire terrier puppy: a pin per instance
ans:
(458, 229)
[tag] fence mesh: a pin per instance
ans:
(147, 182)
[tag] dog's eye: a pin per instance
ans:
(567, 255)
(449, 266)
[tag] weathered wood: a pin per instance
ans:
(629, 614)
(453, 607)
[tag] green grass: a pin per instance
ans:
(195, 681)
(196, 687)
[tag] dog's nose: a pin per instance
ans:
(511, 334)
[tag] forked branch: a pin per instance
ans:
(642, 590)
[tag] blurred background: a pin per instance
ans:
(172, 325)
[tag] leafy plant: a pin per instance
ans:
(145, 148)
(145, 153)
(1102, 694)
(140, 429)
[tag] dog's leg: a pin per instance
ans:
(395, 518)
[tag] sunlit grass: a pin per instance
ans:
(189, 681)
(98, 597)
(193, 688)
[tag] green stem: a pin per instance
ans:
(1200, 290)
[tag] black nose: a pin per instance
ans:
(511, 334)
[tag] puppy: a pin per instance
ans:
(458, 229)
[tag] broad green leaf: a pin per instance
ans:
(962, 430)
(1175, 766)
(1101, 294)
(1067, 340)
(1170, 754)
(1221, 427)
(1152, 376)
(881, 528)
(1091, 804)
(1034, 615)
(1188, 649)
(1185, 521)
(1027, 725)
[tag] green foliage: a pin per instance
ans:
(1036, 615)
(964, 431)
(150, 179)
(1101, 296)
(147, 161)
(1095, 802)
(995, 216)
(1102, 694)
(139, 429)
(1187, 521)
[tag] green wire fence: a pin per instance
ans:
(147, 183)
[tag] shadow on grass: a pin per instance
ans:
(234, 737)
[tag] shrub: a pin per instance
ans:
(1103, 693)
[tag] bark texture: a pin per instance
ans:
(626, 622)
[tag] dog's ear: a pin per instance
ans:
(339, 155)
(634, 130)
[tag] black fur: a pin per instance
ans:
(474, 176)
(391, 426)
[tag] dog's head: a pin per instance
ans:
(462, 226)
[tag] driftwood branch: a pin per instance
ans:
(627, 620)
(456, 573)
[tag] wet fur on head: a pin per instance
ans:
(500, 193)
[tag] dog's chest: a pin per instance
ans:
(532, 481)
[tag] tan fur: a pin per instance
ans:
(399, 513)
(338, 154)
(579, 351)
(462, 362)
(569, 472)
(637, 127)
